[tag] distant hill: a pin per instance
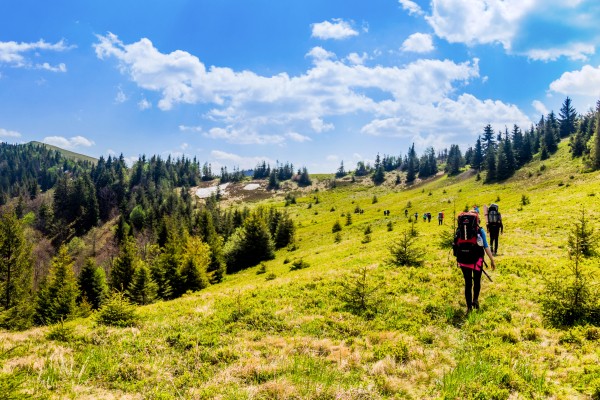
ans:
(67, 154)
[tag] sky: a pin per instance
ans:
(315, 83)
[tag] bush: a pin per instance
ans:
(336, 227)
(405, 252)
(117, 311)
(299, 264)
(360, 293)
(398, 351)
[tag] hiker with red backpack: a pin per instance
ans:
(470, 245)
(494, 226)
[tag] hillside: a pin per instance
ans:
(295, 327)
(69, 155)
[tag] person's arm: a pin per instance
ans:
(501, 226)
(489, 254)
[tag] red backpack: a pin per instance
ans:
(465, 247)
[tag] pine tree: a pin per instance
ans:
(517, 146)
(412, 165)
(596, 140)
(196, 259)
(123, 266)
(92, 284)
(490, 164)
(57, 297)
(567, 118)
(341, 172)
(16, 272)
(455, 161)
(477, 159)
(488, 141)
(143, 290)
(551, 133)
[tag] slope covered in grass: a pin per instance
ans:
(291, 330)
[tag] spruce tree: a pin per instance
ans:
(123, 266)
(92, 284)
(57, 296)
(567, 118)
(477, 159)
(596, 140)
(551, 133)
(16, 273)
(196, 259)
(488, 141)
(143, 290)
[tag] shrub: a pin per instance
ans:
(360, 293)
(405, 252)
(263, 268)
(336, 227)
(398, 351)
(299, 264)
(117, 311)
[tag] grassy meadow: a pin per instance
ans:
(333, 319)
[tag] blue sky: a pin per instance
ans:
(309, 82)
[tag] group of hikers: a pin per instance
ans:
(471, 245)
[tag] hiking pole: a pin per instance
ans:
(483, 270)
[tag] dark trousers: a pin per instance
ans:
(440, 221)
(494, 242)
(472, 285)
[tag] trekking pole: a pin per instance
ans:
(486, 274)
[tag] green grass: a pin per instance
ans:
(295, 335)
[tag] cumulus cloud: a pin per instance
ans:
(121, 97)
(5, 133)
(15, 54)
(247, 108)
(357, 59)
(418, 43)
(337, 29)
(585, 82)
(522, 27)
(68, 144)
(539, 107)
(448, 122)
(411, 7)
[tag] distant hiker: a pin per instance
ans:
(470, 244)
(416, 217)
(428, 217)
(424, 217)
(440, 218)
(494, 226)
(405, 213)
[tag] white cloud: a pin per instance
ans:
(121, 97)
(539, 107)
(15, 54)
(184, 146)
(68, 144)
(338, 29)
(241, 161)
(318, 125)
(411, 7)
(332, 157)
(585, 82)
(576, 51)
(320, 54)
(5, 133)
(476, 21)
(357, 59)
(296, 137)
(522, 27)
(418, 43)
(144, 104)
(448, 122)
(251, 109)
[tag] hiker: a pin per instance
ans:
(494, 226)
(405, 213)
(440, 218)
(470, 245)
(428, 217)
(424, 217)
(416, 217)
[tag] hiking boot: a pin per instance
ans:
(476, 305)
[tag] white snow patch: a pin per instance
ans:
(203, 193)
(252, 186)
